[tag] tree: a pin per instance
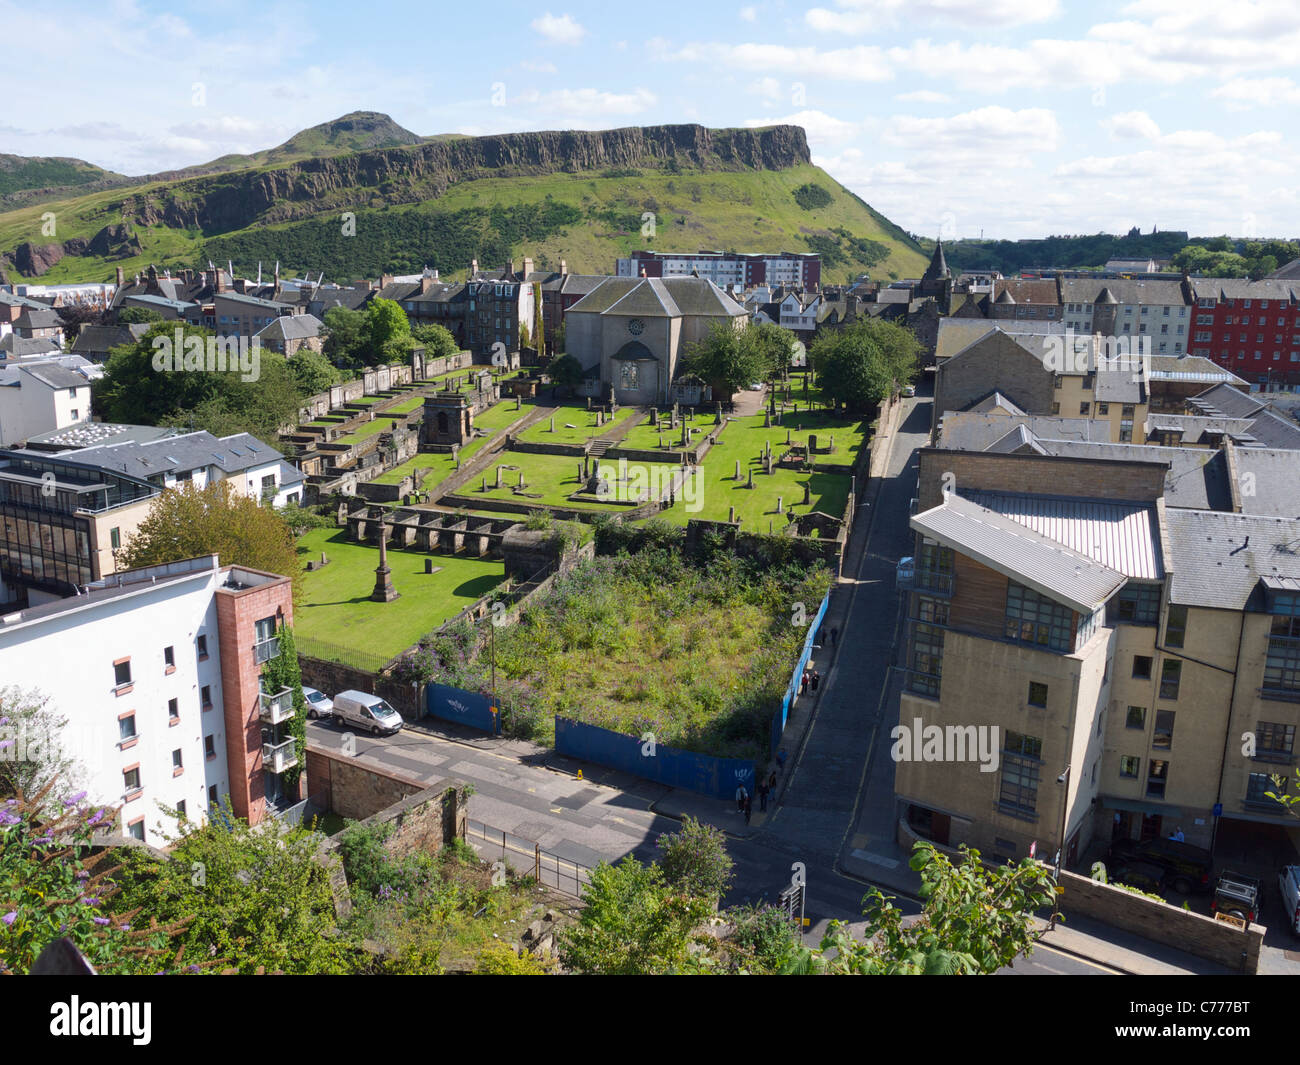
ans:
(565, 372)
(132, 391)
(633, 923)
(254, 896)
(32, 756)
(312, 372)
(188, 522)
(695, 860)
(860, 365)
(437, 340)
(729, 359)
(345, 336)
(976, 920)
(776, 344)
(524, 338)
(136, 315)
(388, 332)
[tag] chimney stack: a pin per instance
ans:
(473, 268)
(564, 268)
(528, 269)
(119, 277)
(510, 269)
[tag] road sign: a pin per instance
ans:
(1218, 809)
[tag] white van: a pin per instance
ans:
(1288, 886)
(368, 712)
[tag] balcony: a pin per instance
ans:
(933, 582)
(266, 650)
(277, 757)
(275, 708)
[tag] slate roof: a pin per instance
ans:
(292, 327)
(1239, 288)
(1146, 293)
(190, 451)
(1226, 400)
(253, 301)
(1269, 480)
(1218, 560)
(16, 347)
(973, 431)
(179, 306)
(655, 297)
(101, 339)
(1197, 478)
(1020, 553)
(38, 319)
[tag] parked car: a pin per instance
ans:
(1288, 886)
(909, 391)
(1189, 866)
(1145, 876)
(318, 703)
(1237, 894)
(366, 711)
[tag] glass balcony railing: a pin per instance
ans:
(265, 650)
(277, 757)
(275, 707)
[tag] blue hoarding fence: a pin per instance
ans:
(718, 777)
(782, 715)
(465, 708)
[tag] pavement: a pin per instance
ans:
(832, 820)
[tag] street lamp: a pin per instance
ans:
(1064, 780)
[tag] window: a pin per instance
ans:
(1056, 408)
(180, 809)
(209, 747)
(1103, 408)
(1138, 604)
(1171, 671)
(1137, 717)
(268, 485)
(1084, 408)
(1175, 625)
(126, 727)
(173, 711)
(1163, 739)
(169, 658)
(131, 777)
(1021, 759)
(1035, 619)
(177, 761)
(266, 646)
(1037, 694)
(136, 829)
(122, 673)
(1157, 777)
(1130, 767)
(115, 538)
(926, 659)
(1260, 784)
(1141, 667)
(205, 697)
(1282, 663)
(212, 795)
(1274, 742)
(201, 645)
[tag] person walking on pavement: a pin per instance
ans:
(749, 808)
(835, 634)
(762, 797)
(741, 796)
(771, 783)
(803, 683)
(816, 679)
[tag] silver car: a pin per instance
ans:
(318, 703)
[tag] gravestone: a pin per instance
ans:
(737, 476)
(780, 504)
(498, 484)
(654, 415)
(807, 494)
(767, 419)
(552, 423)
(750, 482)
(812, 444)
(731, 514)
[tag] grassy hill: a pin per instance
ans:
(451, 199)
(19, 173)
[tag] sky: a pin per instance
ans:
(955, 118)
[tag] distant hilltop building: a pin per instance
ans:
(727, 268)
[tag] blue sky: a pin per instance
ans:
(1011, 118)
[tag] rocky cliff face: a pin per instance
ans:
(224, 202)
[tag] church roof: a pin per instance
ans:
(938, 268)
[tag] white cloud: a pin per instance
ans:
(1258, 92)
(749, 14)
(589, 102)
(864, 16)
(1132, 124)
(537, 68)
(988, 132)
(861, 63)
(820, 127)
(923, 96)
(561, 30)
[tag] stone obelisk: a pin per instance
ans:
(384, 591)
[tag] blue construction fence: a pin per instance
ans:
(465, 708)
(792, 689)
(718, 777)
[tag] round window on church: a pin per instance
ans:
(636, 327)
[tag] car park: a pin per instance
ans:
(365, 711)
(1189, 866)
(318, 703)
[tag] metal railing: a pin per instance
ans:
(275, 706)
(526, 856)
(277, 757)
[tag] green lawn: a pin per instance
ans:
(549, 479)
(337, 608)
(407, 405)
(645, 437)
(583, 421)
(492, 420)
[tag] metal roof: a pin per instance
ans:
(1121, 536)
(1019, 553)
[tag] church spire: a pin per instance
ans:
(938, 268)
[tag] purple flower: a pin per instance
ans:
(10, 917)
(101, 920)
(82, 874)
(6, 818)
(4, 721)
(90, 900)
(96, 819)
(43, 839)
(74, 799)
(6, 743)
(126, 928)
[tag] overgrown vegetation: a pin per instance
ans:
(812, 196)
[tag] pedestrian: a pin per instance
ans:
(749, 808)
(816, 679)
(780, 760)
(803, 683)
(771, 782)
(835, 634)
(762, 797)
(741, 796)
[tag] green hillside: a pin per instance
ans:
(19, 173)
(446, 201)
